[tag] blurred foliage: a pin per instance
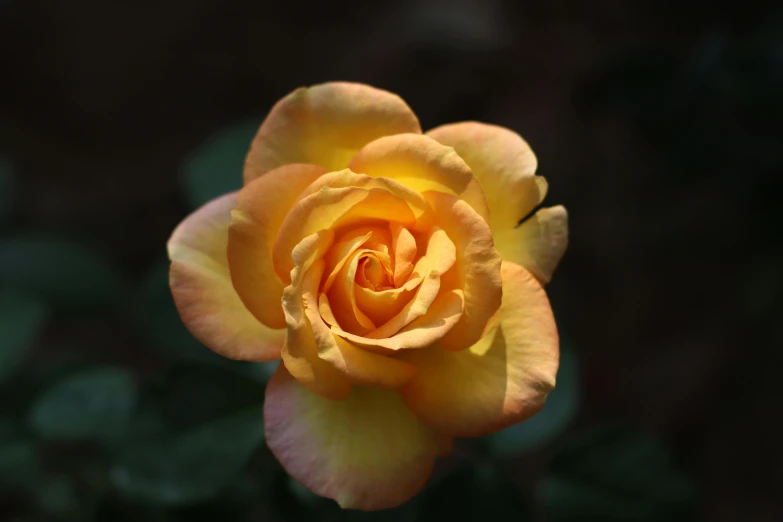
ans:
(93, 404)
(67, 274)
(215, 168)
(616, 474)
(22, 318)
(191, 466)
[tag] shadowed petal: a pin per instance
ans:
(501, 380)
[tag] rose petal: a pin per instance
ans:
(367, 452)
(539, 243)
(422, 164)
(259, 213)
(381, 306)
(346, 309)
(326, 125)
(476, 272)
(361, 367)
(502, 380)
(300, 353)
(440, 257)
(404, 247)
(201, 285)
(444, 312)
(342, 198)
(505, 165)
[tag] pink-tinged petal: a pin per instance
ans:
(367, 452)
(423, 164)
(201, 285)
(326, 125)
(476, 272)
(259, 213)
(505, 165)
(501, 380)
(300, 352)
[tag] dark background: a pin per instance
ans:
(656, 123)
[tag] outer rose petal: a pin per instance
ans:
(259, 213)
(539, 243)
(422, 164)
(500, 381)
(505, 165)
(367, 452)
(202, 290)
(326, 124)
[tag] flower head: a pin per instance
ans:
(389, 271)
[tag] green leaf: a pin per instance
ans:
(91, 404)
(215, 168)
(616, 475)
(561, 407)
(190, 467)
(19, 463)
(22, 318)
(65, 273)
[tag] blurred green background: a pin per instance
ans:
(657, 124)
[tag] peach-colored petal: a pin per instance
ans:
(259, 213)
(422, 164)
(505, 165)
(444, 312)
(381, 306)
(404, 247)
(300, 353)
(539, 243)
(360, 202)
(326, 125)
(361, 367)
(201, 285)
(440, 257)
(367, 452)
(346, 309)
(341, 251)
(476, 272)
(347, 178)
(501, 380)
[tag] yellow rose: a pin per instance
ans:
(387, 269)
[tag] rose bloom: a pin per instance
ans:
(389, 271)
